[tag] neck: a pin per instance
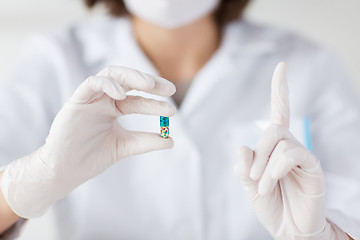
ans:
(178, 54)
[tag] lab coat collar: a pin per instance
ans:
(245, 38)
(115, 44)
(110, 41)
(97, 39)
(112, 38)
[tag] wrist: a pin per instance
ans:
(333, 232)
(329, 232)
(7, 216)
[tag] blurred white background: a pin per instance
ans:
(333, 23)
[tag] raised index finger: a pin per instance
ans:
(280, 110)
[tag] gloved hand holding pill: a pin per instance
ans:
(283, 180)
(85, 139)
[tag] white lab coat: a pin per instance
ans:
(188, 192)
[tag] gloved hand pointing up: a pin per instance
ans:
(283, 180)
(85, 139)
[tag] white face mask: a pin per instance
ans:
(170, 13)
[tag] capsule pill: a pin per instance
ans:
(164, 127)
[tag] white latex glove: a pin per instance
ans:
(85, 139)
(284, 181)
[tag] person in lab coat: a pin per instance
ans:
(90, 173)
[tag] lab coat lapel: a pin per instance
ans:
(128, 52)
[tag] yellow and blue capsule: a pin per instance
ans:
(164, 127)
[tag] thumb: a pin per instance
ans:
(244, 164)
(135, 143)
(280, 111)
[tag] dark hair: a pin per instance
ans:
(228, 9)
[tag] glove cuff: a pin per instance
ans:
(330, 232)
(26, 186)
(334, 232)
